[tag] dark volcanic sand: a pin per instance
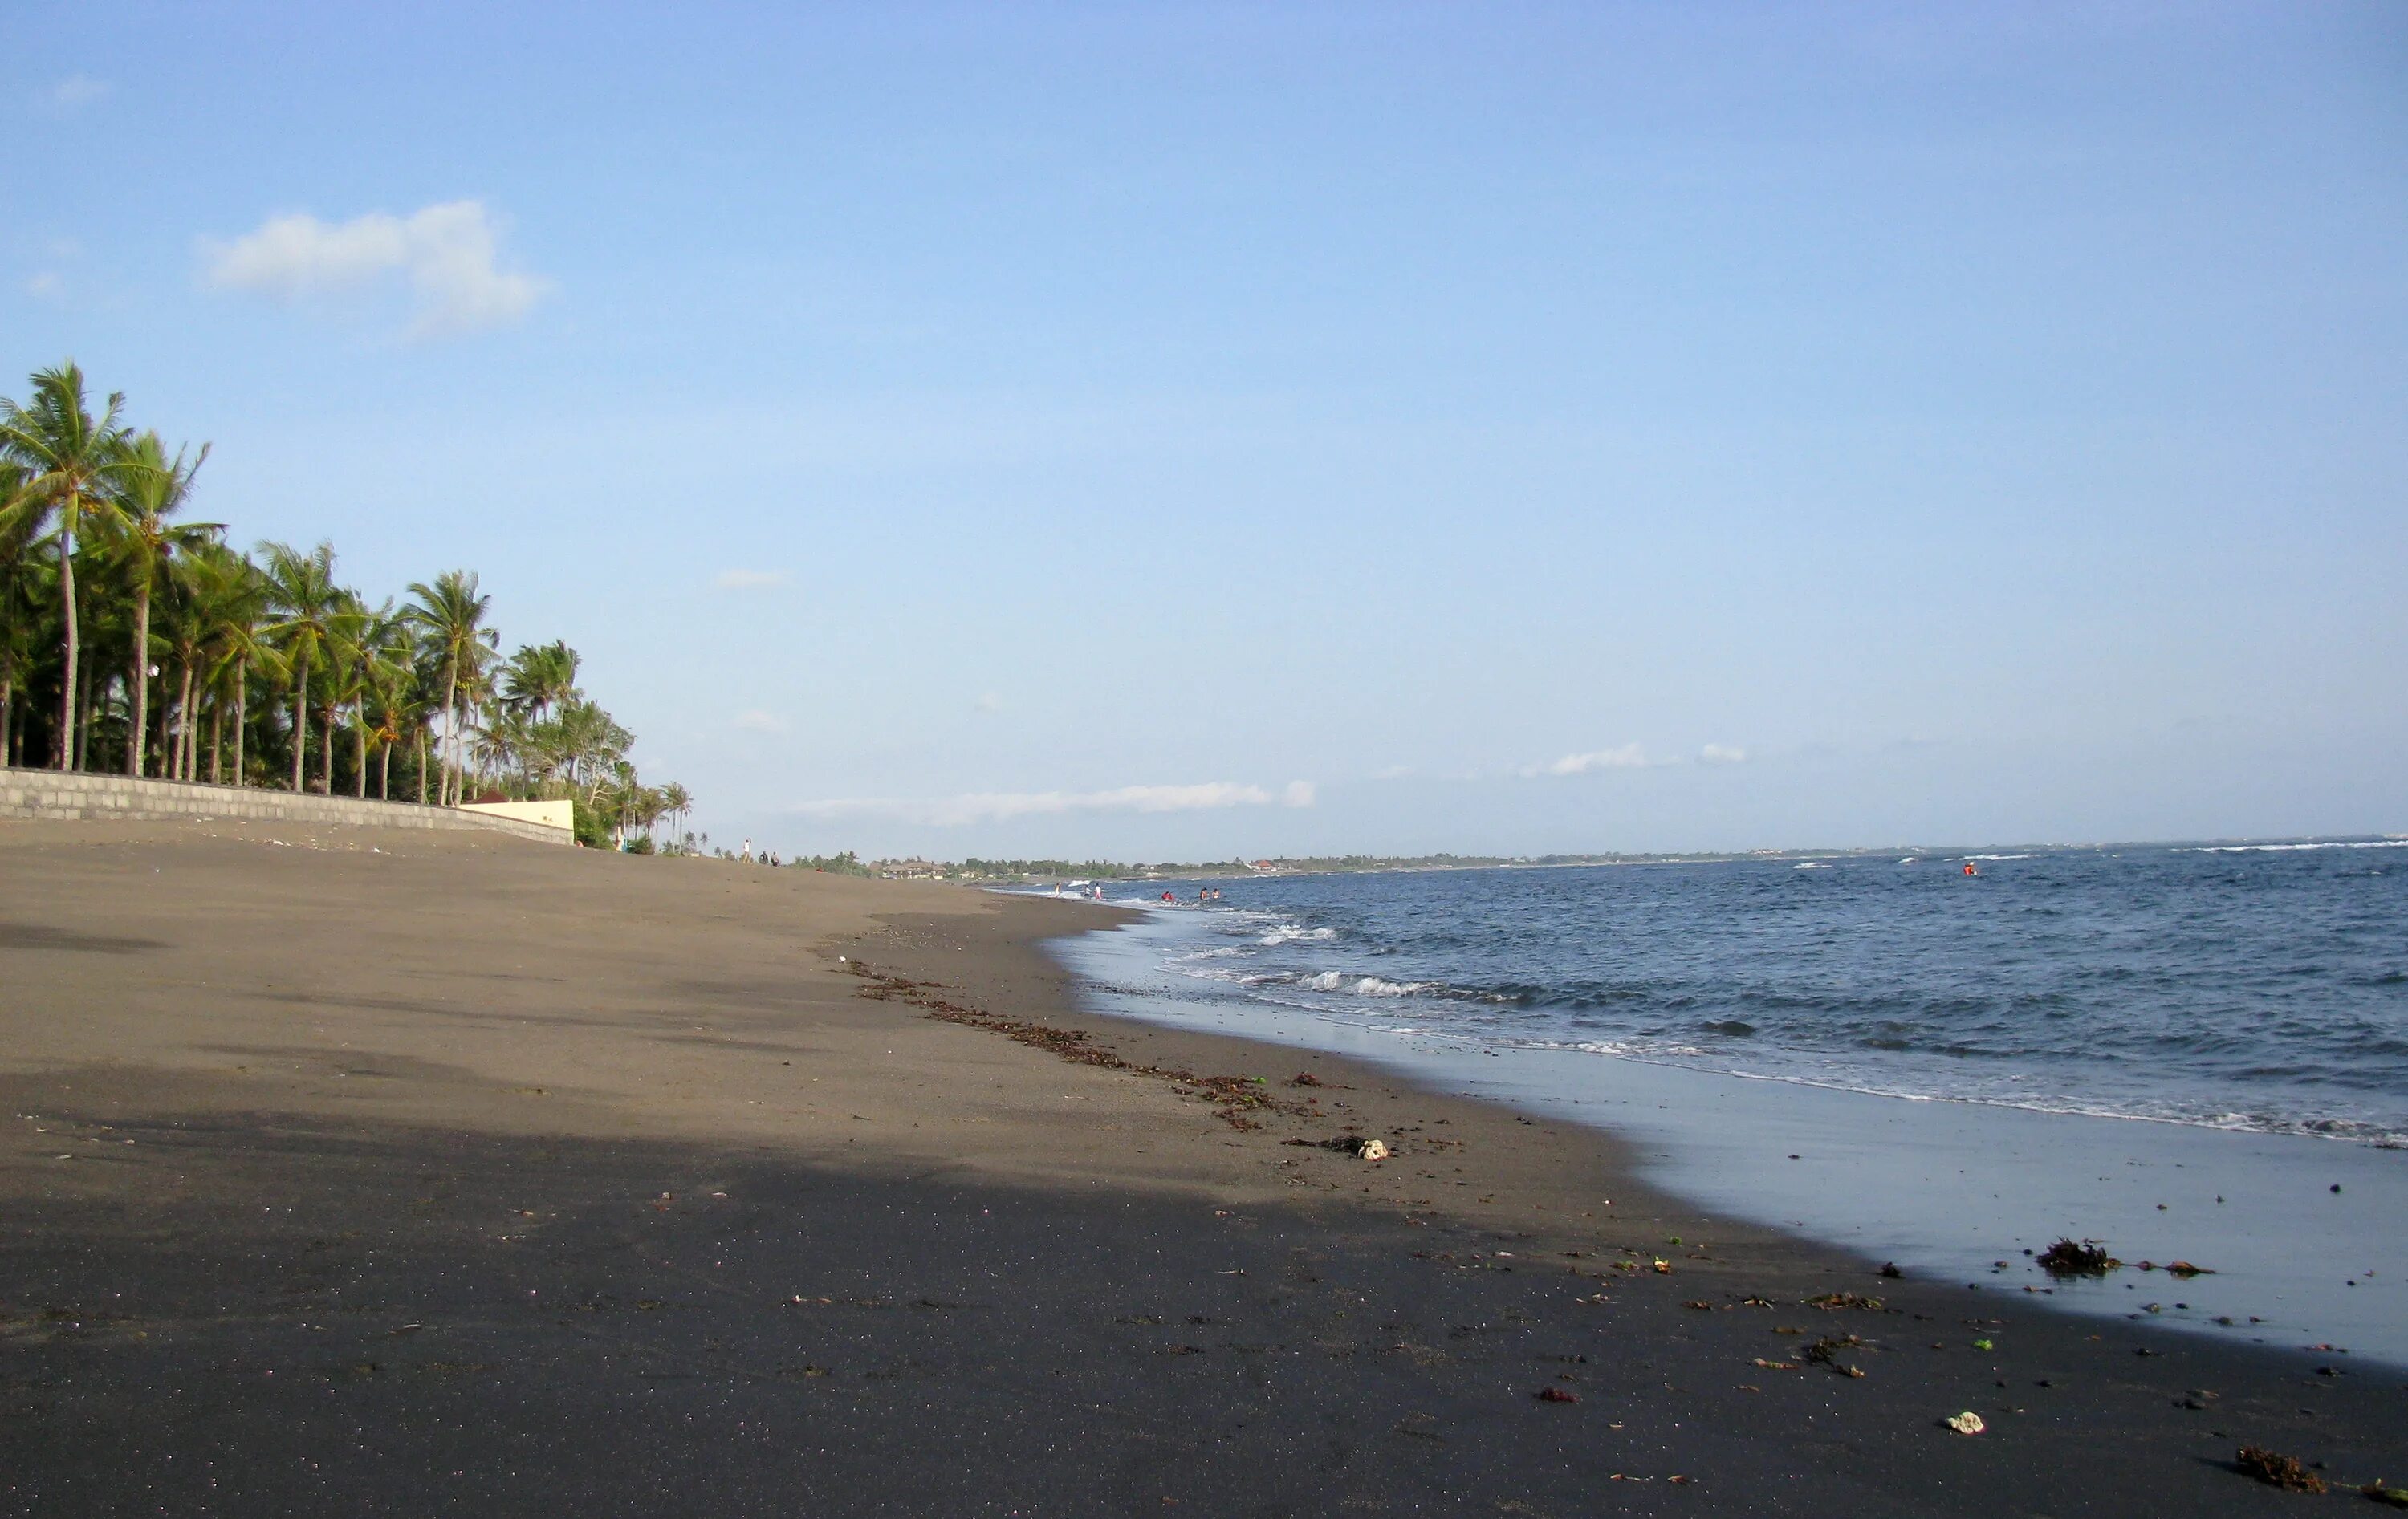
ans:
(475, 1176)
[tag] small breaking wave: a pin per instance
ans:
(1339, 981)
(2293, 849)
(1290, 932)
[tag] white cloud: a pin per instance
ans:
(750, 580)
(49, 286)
(757, 721)
(1721, 754)
(76, 89)
(447, 255)
(998, 807)
(1628, 757)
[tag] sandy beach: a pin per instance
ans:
(355, 1171)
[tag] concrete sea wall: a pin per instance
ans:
(72, 796)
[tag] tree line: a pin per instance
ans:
(138, 642)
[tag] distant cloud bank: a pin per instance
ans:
(448, 257)
(1628, 757)
(749, 580)
(998, 807)
(1632, 756)
(76, 89)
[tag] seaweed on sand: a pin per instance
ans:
(1825, 1351)
(1231, 1097)
(2278, 1470)
(2077, 1257)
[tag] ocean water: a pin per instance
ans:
(2257, 987)
(2194, 1053)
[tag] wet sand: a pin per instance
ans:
(364, 1172)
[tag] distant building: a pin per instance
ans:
(561, 814)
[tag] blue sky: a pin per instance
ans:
(1197, 430)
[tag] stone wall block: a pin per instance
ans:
(77, 797)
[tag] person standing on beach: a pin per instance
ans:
(747, 855)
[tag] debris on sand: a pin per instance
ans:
(1966, 1422)
(2077, 1257)
(1345, 1144)
(1836, 1300)
(1889, 1268)
(1305, 1077)
(2396, 1497)
(1232, 1097)
(1825, 1351)
(1556, 1395)
(2276, 1470)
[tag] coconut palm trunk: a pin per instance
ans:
(326, 753)
(63, 742)
(83, 715)
(300, 722)
(360, 754)
(185, 766)
(138, 677)
(451, 731)
(384, 772)
(241, 713)
(217, 741)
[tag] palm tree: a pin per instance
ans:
(231, 598)
(22, 592)
(75, 465)
(90, 534)
(346, 633)
(540, 678)
(451, 617)
(391, 708)
(590, 742)
(676, 803)
(380, 664)
(181, 627)
(302, 591)
(150, 495)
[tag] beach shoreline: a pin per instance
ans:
(1962, 1188)
(469, 1174)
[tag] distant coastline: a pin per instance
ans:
(1046, 872)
